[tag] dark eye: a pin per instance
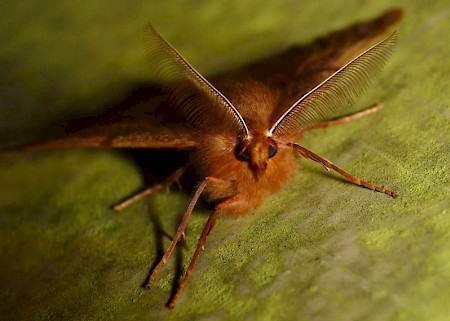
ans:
(272, 151)
(245, 155)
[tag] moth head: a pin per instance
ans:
(257, 149)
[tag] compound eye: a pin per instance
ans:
(245, 155)
(272, 151)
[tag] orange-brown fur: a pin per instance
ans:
(253, 181)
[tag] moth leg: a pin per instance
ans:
(327, 164)
(346, 119)
(169, 181)
(179, 233)
(201, 242)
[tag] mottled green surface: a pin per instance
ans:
(321, 249)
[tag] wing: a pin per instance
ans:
(135, 123)
(295, 72)
(200, 105)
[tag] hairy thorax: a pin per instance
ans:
(216, 158)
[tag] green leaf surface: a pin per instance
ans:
(322, 249)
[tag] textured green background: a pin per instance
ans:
(321, 249)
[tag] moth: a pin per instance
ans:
(242, 129)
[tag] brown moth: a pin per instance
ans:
(242, 129)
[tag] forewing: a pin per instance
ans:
(295, 72)
(139, 125)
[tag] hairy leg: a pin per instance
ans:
(174, 177)
(329, 165)
(180, 232)
(206, 230)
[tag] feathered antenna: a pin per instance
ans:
(337, 91)
(195, 97)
